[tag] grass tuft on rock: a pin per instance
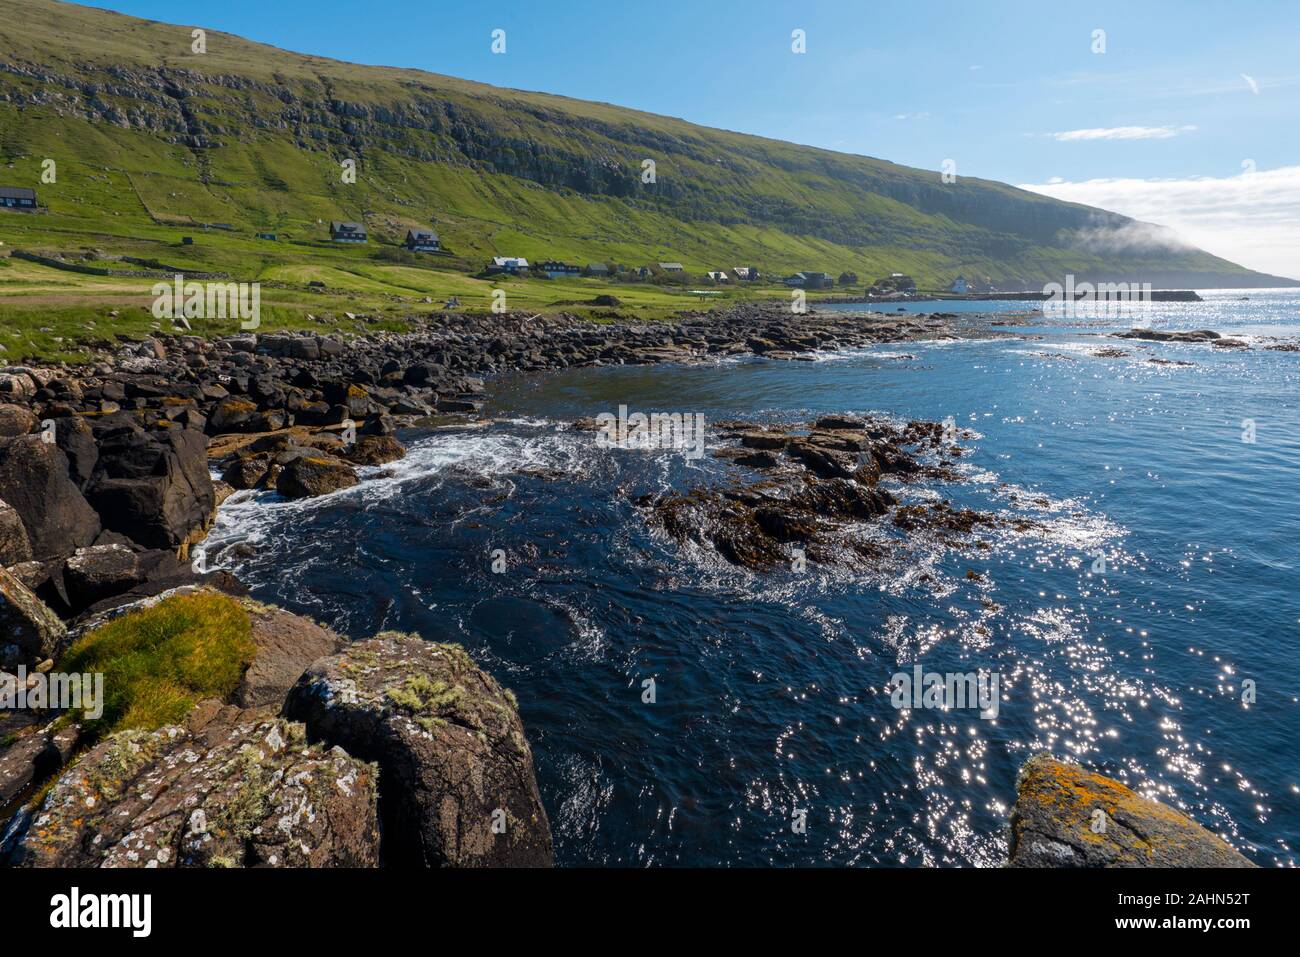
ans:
(159, 661)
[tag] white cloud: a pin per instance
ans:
(1250, 81)
(1122, 133)
(1252, 219)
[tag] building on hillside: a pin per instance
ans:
(17, 197)
(554, 269)
(596, 270)
(809, 280)
(422, 241)
(745, 273)
(959, 285)
(672, 267)
(848, 279)
(507, 264)
(341, 232)
(719, 276)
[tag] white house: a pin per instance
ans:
(958, 285)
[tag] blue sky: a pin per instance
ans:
(1161, 122)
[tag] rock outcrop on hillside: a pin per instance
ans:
(1066, 816)
(456, 774)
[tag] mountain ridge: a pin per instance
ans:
(251, 135)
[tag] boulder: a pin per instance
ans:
(287, 645)
(233, 414)
(154, 487)
(29, 631)
(375, 450)
(229, 789)
(310, 475)
(246, 471)
(14, 545)
(16, 420)
(76, 438)
(456, 773)
(34, 481)
(99, 572)
(1066, 816)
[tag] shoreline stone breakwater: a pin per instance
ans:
(319, 752)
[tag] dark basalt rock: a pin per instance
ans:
(99, 572)
(29, 631)
(34, 481)
(374, 450)
(309, 475)
(826, 483)
(15, 548)
(154, 487)
(457, 786)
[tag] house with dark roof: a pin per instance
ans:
(958, 285)
(809, 280)
(672, 267)
(553, 269)
(17, 197)
(422, 241)
(341, 232)
(745, 273)
(719, 276)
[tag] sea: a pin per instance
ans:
(1144, 620)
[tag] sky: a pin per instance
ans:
(1185, 114)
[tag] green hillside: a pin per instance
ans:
(152, 141)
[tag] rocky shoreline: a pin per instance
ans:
(392, 751)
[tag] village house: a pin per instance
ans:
(958, 285)
(848, 279)
(422, 241)
(596, 270)
(719, 276)
(745, 273)
(553, 269)
(513, 265)
(672, 267)
(341, 232)
(17, 197)
(809, 280)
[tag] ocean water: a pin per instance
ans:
(772, 701)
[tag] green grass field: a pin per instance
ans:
(254, 137)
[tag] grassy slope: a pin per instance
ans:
(496, 171)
